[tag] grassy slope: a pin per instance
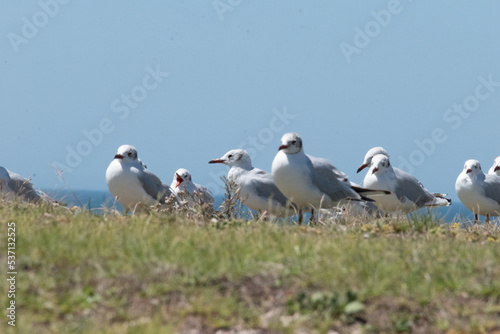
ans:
(162, 273)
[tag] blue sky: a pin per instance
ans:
(186, 81)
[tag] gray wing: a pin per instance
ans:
(330, 180)
(317, 162)
(22, 187)
(265, 187)
(152, 185)
(492, 187)
(410, 187)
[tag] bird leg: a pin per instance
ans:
(487, 219)
(475, 218)
(312, 217)
(300, 216)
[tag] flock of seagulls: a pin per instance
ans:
(298, 183)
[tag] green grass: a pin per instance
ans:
(160, 272)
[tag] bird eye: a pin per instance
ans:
(129, 154)
(230, 156)
(294, 142)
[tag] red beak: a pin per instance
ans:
(375, 169)
(363, 166)
(179, 179)
(118, 156)
(282, 147)
(468, 171)
(216, 161)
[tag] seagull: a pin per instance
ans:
(408, 194)
(479, 193)
(400, 174)
(5, 190)
(310, 182)
(13, 184)
(182, 181)
(369, 156)
(495, 169)
(257, 190)
(131, 183)
(373, 152)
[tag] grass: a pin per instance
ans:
(162, 272)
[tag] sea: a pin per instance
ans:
(98, 201)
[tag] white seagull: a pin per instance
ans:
(183, 182)
(495, 169)
(408, 194)
(13, 185)
(369, 156)
(479, 193)
(131, 183)
(257, 190)
(310, 182)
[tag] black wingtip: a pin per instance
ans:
(368, 199)
(360, 190)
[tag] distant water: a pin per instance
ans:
(95, 200)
